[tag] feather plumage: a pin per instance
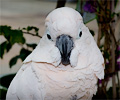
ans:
(43, 77)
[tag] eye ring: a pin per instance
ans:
(80, 34)
(48, 36)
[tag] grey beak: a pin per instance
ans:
(65, 45)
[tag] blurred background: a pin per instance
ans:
(22, 26)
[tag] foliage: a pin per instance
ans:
(87, 16)
(3, 91)
(5, 81)
(14, 36)
(105, 16)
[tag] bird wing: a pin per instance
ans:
(27, 84)
(89, 56)
(97, 64)
(45, 52)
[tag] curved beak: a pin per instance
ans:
(65, 45)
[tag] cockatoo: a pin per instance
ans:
(65, 65)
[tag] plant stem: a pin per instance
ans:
(112, 28)
(61, 3)
(99, 35)
(32, 34)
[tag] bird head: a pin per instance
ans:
(66, 41)
(65, 28)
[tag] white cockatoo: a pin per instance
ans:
(65, 65)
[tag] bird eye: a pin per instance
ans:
(80, 34)
(49, 37)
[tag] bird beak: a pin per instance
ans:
(65, 45)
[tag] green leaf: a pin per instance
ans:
(2, 48)
(29, 28)
(115, 2)
(24, 28)
(13, 61)
(24, 53)
(79, 4)
(92, 32)
(17, 37)
(3, 88)
(8, 47)
(106, 54)
(101, 46)
(32, 45)
(78, 8)
(6, 79)
(13, 36)
(36, 29)
(110, 93)
(5, 30)
(3, 91)
(87, 17)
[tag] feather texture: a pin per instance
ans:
(43, 77)
(37, 81)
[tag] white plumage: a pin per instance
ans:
(44, 77)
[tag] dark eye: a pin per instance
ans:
(48, 36)
(80, 34)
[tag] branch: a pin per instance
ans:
(32, 34)
(61, 3)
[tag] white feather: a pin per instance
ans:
(43, 77)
